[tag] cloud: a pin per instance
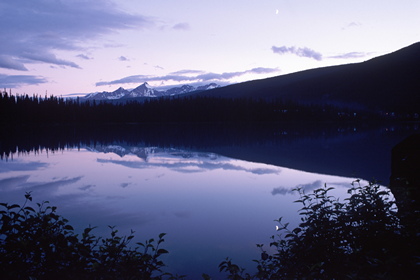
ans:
(21, 166)
(33, 31)
(302, 52)
(305, 187)
(352, 25)
(83, 56)
(15, 81)
(124, 185)
(87, 187)
(123, 58)
(311, 186)
(188, 76)
(349, 55)
(125, 80)
(187, 71)
(50, 186)
(192, 165)
(281, 190)
(11, 183)
(47, 57)
(11, 63)
(181, 26)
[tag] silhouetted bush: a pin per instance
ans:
(359, 238)
(40, 244)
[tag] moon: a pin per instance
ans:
(277, 11)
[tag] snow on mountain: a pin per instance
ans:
(116, 94)
(144, 90)
(180, 90)
(148, 152)
(209, 86)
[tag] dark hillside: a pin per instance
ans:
(387, 83)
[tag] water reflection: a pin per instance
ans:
(214, 196)
(210, 205)
(345, 149)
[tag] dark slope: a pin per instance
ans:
(389, 82)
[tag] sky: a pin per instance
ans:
(68, 47)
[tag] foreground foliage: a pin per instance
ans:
(39, 244)
(360, 238)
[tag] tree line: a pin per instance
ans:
(25, 109)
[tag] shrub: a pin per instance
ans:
(359, 238)
(40, 244)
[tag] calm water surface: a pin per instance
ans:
(210, 205)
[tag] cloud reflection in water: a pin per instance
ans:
(191, 166)
(220, 205)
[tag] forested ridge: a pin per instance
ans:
(25, 109)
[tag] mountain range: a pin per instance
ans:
(145, 91)
(384, 83)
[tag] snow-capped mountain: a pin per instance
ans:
(207, 87)
(144, 90)
(147, 152)
(180, 90)
(116, 94)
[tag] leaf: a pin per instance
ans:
(297, 230)
(29, 208)
(28, 196)
(68, 227)
(13, 206)
(162, 251)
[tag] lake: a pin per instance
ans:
(215, 190)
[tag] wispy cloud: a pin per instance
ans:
(182, 26)
(123, 58)
(47, 57)
(187, 71)
(15, 81)
(87, 187)
(350, 55)
(11, 183)
(21, 166)
(188, 76)
(50, 186)
(83, 56)
(32, 31)
(305, 187)
(302, 52)
(191, 166)
(9, 62)
(352, 25)
(310, 187)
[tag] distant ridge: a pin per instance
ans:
(145, 91)
(386, 83)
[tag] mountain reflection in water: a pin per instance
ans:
(215, 191)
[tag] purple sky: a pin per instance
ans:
(82, 46)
